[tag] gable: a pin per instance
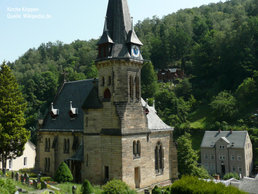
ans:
(235, 138)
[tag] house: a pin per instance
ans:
(169, 75)
(227, 151)
(27, 160)
(102, 128)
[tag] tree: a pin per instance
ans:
(247, 91)
(63, 173)
(149, 80)
(87, 187)
(187, 158)
(224, 106)
(13, 135)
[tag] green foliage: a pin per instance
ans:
(224, 106)
(247, 91)
(191, 185)
(231, 175)
(187, 158)
(42, 179)
(148, 81)
(7, 186)
(172, 110)
(184, 89)
(116, 187)
(156, 190)
(13, 135)
(87, 188)
(63, 173)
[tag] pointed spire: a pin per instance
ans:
(118, 30)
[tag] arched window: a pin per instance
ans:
(137, 88)
(138, 154)
(66, 146)
(103, 81)
(107, 94)
(131, 88)
(136, 149)
(159, 158)
(109, 81)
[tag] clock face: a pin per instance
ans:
(135, 51)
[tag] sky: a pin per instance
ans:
(26, 24)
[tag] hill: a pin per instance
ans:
(216, 45)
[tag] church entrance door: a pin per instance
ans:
(137, 177)
(76, 171)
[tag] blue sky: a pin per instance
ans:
(26, 24)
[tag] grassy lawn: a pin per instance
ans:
(202, 117)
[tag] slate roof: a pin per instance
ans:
(76, 92)
(79, 155)
(118, 30)
(236, 138)
(154, 122)
(84, 94)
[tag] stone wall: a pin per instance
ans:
(57, 154)
(146, 162)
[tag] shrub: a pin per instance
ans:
(156, 190)
(7, 186)
(231, 175)
(116, 187)
(87, 188)
(63, 174)
(190, 185)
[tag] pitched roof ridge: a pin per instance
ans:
(77, 81)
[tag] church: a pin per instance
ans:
(102, 128)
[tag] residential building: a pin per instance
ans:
(170, 75)
(27, 160)
(102, 128)
(227, 151)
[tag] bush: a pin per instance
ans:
(190, 185)
(231, 175)
(63, 174)
(156, 190)
(116, 187)
(87, 188)
(7, 186)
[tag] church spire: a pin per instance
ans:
(118, 35)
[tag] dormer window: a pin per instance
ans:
(73, 111)
(54, 112)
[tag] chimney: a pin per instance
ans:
(231, 131)
(219, 130)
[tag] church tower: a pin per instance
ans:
(119, 63)
(102, 128)
(123, 137)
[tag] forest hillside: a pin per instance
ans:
(216, 45)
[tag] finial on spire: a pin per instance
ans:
(132, 28)
(105, 26)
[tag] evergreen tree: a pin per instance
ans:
(87, 187)
(13, 135)
(63, 173)
(187, 158)
(149, 81)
